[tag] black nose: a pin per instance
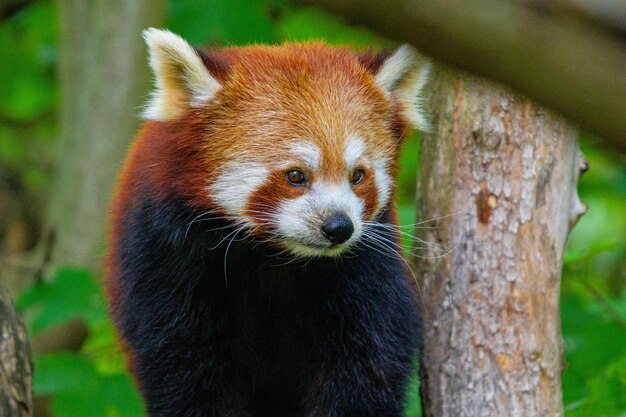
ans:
(338, 228)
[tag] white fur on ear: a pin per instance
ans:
(181, 78)
(402, 77)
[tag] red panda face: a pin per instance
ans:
(310, 200)
(298, 142)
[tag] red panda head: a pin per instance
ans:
(297, 143)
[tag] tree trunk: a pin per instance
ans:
(104, 78)
(498, 175)
(15, 366)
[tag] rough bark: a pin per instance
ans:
(499, 175)
(569, 65)
(104, 78)
(15, 366)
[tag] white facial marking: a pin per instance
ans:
(235, 184)
(299, 220)
(308, 153)
(383, 183)
(353, 150)
(177, 69)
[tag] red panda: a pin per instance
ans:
(251, 269)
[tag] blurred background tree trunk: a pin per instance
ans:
(104, 79)
(499, 175)
(15, 365)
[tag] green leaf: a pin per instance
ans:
(86, 402)
(607, 394)
(407, 170)
(78, 390)
(121, 397)
(592, 342)
(70, 294)
(57, 373)
(28, 38)
(104, 349)
(413, 401)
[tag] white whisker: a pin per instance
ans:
(226, 255)
(419, 289)
(224, 238)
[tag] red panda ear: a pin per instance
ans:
(402, 77)
(182, 80)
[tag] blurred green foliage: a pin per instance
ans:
(93, 381)
(28, 92)
(593, 300)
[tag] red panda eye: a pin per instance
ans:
(357, 176)
(295, 177)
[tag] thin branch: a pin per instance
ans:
(9, 7)
(24, 124)
(608, 308)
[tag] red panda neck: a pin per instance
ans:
(171, 154)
